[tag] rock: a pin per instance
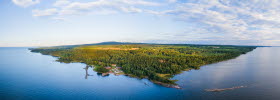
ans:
(105, 74)
(224, 89)
(168, 85)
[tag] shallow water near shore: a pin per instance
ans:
(27, 75)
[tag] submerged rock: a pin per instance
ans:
(105, 74)
(224, 89)
(168, 85)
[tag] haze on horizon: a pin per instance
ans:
(66, 22)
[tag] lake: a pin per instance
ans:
(27, 75)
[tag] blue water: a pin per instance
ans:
(27, 75)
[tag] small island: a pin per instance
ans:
(156, 62)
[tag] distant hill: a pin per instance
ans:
(124, 43)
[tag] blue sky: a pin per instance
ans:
(64, 22)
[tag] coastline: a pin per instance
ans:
(163, 77)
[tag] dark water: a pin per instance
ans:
(26, 75)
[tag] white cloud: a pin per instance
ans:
(171, 1)
(59, 18)
(130, 9)
(66, 7)
(25, 3)
(47, 12)
(127, 6)
(230, 19)
(61, 3)
(233, 20)
(138, 2)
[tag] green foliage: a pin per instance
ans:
(147, 60)
(100, 69)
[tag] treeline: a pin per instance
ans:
(147, 61)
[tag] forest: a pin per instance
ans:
(156, 62)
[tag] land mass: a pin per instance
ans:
(156, 62)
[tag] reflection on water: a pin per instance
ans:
(86, 68)
(91, 69)
(26, 75)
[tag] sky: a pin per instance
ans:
(25, 23)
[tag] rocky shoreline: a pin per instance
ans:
(168, 85)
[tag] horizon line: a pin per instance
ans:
(136, 43)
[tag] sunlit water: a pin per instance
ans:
(26, 75)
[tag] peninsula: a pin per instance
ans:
(156, 62)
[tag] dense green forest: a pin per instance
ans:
(157, 62)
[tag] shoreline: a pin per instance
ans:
(173, 66)
(167, 85)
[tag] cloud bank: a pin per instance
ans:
(25, 3)
(233, 21)
(66, 7)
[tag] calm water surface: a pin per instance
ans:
(26, 75)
